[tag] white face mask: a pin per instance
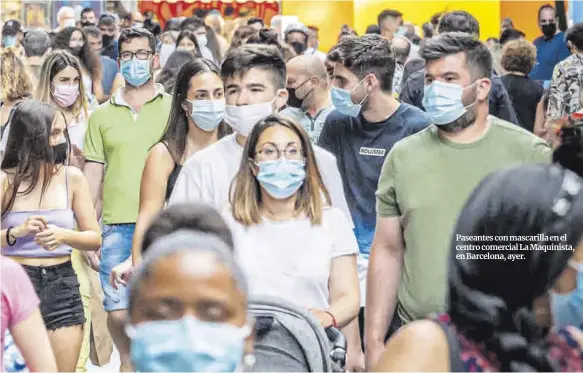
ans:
(70, 22)
(202, 40)
(243, 118)
(165, 51)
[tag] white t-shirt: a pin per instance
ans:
(207, 175)
(292, 259)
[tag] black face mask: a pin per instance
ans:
(76, 51)
(549, 30)
(293, 100)
(106, 39)
(300, 48)
(87, 23)
(60, 153)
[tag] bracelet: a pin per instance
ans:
(8, 237)
(334, 323)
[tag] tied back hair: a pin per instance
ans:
(570, 153)
(490, 301)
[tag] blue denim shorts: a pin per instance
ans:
(115, 248)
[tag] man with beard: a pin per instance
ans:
(296, 35)
(425, 180)
(88, 17)
(108, 34)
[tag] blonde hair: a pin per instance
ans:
(16, 77)
(245, 191)
(56, 62)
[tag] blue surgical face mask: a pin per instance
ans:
(567, 308)
(186, 345)
(281, 178)
(208, 114)
(136, 72)
(9, 41)
(443, 102)
(343, 103)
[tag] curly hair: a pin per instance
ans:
(16, 81)
(519, 56)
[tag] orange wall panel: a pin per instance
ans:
(524, 15)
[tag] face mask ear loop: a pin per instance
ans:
(365, 96)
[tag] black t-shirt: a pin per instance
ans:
(360, 148)
(525, 95)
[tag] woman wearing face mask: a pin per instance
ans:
(195, 122)
(43, 201)
(205, 37)
(207, 329)
(75, 41)
(61, 85)
(188, 41)
(167, 46)
(495, 318)
(290, 243)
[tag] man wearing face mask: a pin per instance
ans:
(11, 34)
(88, 17)
(391, 24)
(426, 179)
(296, 35)
(66, 18)
(551, 47)
(460, 21)
(363, 129)
(121, 132)
(254, 77)
(108, 36)
(309, 101)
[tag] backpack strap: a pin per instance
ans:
(455, 361)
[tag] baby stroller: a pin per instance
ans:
(289, 339)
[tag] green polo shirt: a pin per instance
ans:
(120, 138)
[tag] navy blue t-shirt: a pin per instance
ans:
(548, 54)
(360, 148)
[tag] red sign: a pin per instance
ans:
(230, 9)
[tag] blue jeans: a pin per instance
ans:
(115, 248)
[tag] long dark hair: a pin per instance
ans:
(490, 301)
(89, 59)
(28, 151)
(190, 36)
(168, 75)
(177, 128)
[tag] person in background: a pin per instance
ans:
(495, 49)
(402, 48)
(137, 20)
(37, 45)
(390, 21)
(491, 42)
(309, 101)
(518, 58)
(12, 34)
(269, 37)
(188, 41)
(510, 34)
(506, 24)
(346, 32)
(278, 200)
(254, 77)
(88, 17)
(210, 307)
(21, 316)
(126, 21)
(109, 36)
(314, 43)
(566, 83)
(366, 124)
(256, 23)
(428, 30)
(39, 232)
(74, 40)
(65, 18)
(121, 132)
(414, 223)
(296, 35)
(551, 47)
(167, 46)
(150, 24)
(373, 29)
(216, 22)
(94, 38)
(195, 122)
(16, 85)
(494, 306)
(206, 38)
(169, 74)
(240, 37)
(412, 91)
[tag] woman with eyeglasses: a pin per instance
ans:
(46, 211)
(289, 241)
(195, 122)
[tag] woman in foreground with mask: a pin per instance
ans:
(496, 308)
(74, 40)
(289, 241)
(195, 122)
(43, 202)
(207, 328)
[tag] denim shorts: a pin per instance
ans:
(115, 248)
(58, 290)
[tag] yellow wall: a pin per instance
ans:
(328, 16)
(418, 12)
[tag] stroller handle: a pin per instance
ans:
(339, 345)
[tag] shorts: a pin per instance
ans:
(58, 290)
(116, 247)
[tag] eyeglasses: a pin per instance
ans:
(270, 152)
(140, 55)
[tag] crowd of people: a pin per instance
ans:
(157, 182)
